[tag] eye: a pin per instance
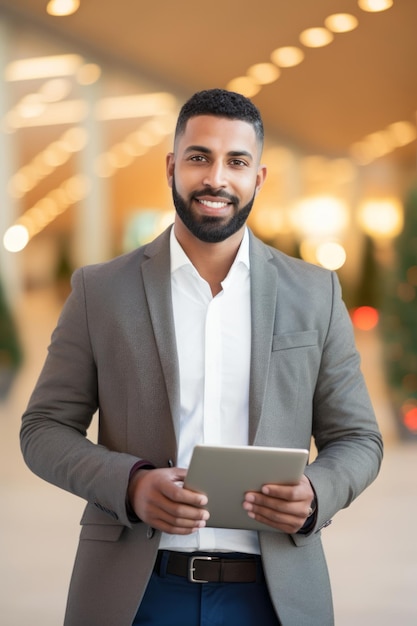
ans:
(238, 163)
(198, 158)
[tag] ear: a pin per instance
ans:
(170, 165)
(260, 178)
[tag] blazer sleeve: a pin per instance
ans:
(54, 426)
(345, 430)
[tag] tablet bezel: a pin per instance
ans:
(225, 473)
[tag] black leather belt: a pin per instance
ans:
(208, 569)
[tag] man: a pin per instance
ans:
(204, 335)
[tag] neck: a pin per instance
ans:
(211, 260)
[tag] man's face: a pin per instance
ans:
(215, 175)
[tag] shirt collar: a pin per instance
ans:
(180, 259)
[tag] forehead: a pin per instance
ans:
(219, 134)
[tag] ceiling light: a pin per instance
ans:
(46, 210)
(380, 142)
(55, 89)
(362, 153)
(74, 139)
(120, 155)
(39, 167)
(55, 154)
(88, 74)
(134, 141)
(43, 67)
(166, 123)
(402, 133)
(15, 238)
(31, 106)
(76, 187)
(374, 6)
(21, 182)
(341, 22)
(62, 7)
(137, 105)
(45, 162)
(244, 85)
(316, 37)
(264, 73)
(67, 112)
(152, 132)
(159, 127)
(287, 56)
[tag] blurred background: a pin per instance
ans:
(89, 98)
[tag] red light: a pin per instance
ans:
(410, 419)
(365, 317)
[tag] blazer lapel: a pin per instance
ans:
(157, 283)
(264, 282)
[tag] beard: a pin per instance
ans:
(210, 228)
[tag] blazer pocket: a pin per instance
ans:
(98, 526)
(291, 341)
(101, 532)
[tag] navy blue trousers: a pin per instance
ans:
(174, 601)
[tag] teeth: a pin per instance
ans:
(213, 205)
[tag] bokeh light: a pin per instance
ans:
(365, 317)
(16, 238)
(409, 411)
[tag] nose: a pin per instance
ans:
(215, 176)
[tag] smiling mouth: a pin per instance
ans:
(210, 204)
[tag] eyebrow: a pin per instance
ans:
(231, 153)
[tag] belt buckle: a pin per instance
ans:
(191, 568)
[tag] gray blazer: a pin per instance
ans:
(114, 350)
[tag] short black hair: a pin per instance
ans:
(221, 103)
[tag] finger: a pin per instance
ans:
(300, 491)
(261, 500)
(290, 493)
(174, 508)
(275, 509)
(177, 493)
(189, 513)
(168, 484)
(282, 520)
(163, 520)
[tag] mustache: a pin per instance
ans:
(216, 194)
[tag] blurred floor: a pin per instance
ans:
(371, 547)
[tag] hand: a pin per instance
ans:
(159, 499)
(285, 507)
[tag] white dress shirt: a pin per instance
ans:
(214, 344)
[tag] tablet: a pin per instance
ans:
(225, 473)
